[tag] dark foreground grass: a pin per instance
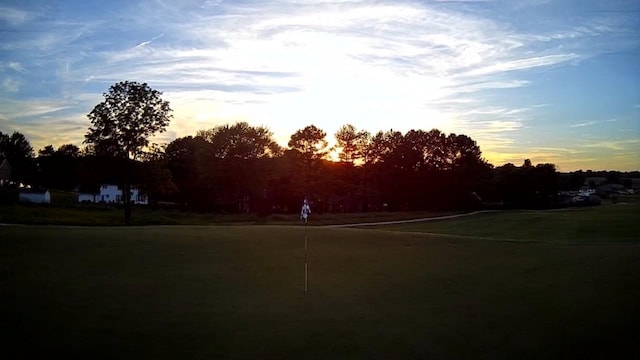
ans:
(236, 292)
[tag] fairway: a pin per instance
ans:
(606, 223)
(398, 292)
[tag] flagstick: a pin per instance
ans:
(305, 255)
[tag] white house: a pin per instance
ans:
(112, 194)
(34, 196)
(87, 198)
(5, 171)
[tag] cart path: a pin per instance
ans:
(433, 218)
(446, 217)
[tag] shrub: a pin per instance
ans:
(8, 196)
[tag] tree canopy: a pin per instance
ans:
(310, 142)
(353, 144)
(241, 141)
(122, 124)
(17, 149)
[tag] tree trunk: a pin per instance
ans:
(365, 199)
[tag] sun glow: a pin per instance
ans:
(334, 154)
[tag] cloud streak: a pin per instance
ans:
(12, 16)
(591, 123)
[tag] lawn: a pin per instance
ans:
(610, 222)
(237, 292)
(104, 215)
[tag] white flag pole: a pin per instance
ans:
(305, 257)
(304, 214)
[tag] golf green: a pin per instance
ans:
(238, 292)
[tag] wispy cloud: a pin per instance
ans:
(14, 109)
(617, 145)
(145, 43)
(591, 123)
(14, 16)
(10, 85)
(16, 66)
(523, 64)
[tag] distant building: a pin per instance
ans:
(112, 194)
(87, 197)
(37, 196)
(613, 189)
(5, 171)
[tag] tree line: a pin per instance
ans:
(241, 168)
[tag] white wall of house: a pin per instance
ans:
(111, 194)
(5, 171)
(87, 197)
(138, 198)
(38, 198)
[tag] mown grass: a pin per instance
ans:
(236, 292)
(103, 215)
(599, 223)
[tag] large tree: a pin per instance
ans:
(123, 123)
(308, 149)
(59, 169)
(17, 149)
(189, 160)
(354, 146)
(310, 142)
(241, 141)
(240, 164)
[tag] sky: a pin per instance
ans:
(549, 80)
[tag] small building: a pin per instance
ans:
(36, 196)
(5, 171)
(112, 194)
(87, 197)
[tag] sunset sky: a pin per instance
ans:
(551, 80)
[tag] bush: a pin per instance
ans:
(8, 196)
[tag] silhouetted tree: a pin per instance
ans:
(527, 186)
(546, 184)
(122, 124)
(352, 143)
(237, 164)
(155, 178)
(17, 149)
(389, 169)
(241, 141)
(190, 162)
(354, 146)
(46, 151)
(59, 169)
(309, 146)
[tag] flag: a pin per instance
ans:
(305, 211)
